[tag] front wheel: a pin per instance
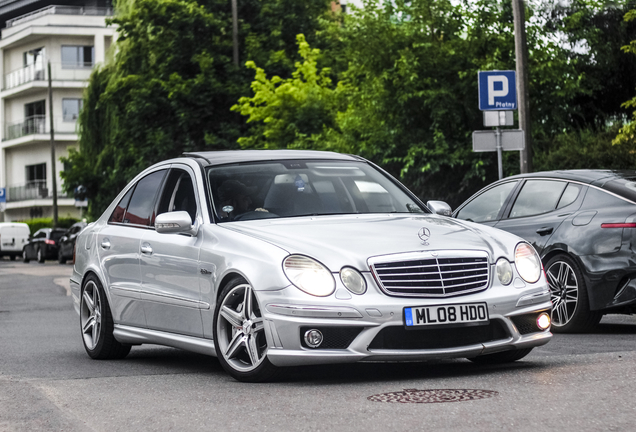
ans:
(239, 334)
(25, 256)
(60, 257)
(96, 323)
(501, 357)
(570, 303)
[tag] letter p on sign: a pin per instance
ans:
(492, 93)
(497, 91)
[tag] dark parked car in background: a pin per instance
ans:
(583, 224)
(42, 245)
(66, 244)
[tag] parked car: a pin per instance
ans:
(66, 244)
(268, 259)
(42, 245)
(583, 224)
(13, 237)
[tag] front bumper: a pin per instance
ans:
(371, 327)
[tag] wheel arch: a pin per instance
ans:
(225, 279)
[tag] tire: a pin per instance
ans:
(60, 257)
(570, 302)
(25, 257)
(41, 256)
(12, 257)
(96, 323)
(501, 357)
(239, 334)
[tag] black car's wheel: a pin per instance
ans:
(501, 357)
(60, 257)
(96, 323)
(239, 334)
(41, 256)
(25, 256)
(570, 303)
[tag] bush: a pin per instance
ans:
(36, 224)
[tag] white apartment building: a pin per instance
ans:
(73, 39)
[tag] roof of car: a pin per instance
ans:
(234, 156)
(597, 177)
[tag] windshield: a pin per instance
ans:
(302, 188)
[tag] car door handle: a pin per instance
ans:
(106, 244)
(545, 231)
(146, 249)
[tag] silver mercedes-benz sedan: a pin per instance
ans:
(276, 258)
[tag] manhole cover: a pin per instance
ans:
(432, 396)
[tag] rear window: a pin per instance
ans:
(625, 187)
(56, 235)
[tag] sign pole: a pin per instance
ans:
(499, 152)
(53, 173)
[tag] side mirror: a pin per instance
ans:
(177, 222)
(440, 208)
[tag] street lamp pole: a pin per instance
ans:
(521, 53)
(53, 173)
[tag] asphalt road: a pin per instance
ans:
(48, 383)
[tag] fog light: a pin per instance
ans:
(313, 338)
(543, 321)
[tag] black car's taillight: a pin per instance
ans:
(619, 225)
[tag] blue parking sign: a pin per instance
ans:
(3, 195)
(497, 90)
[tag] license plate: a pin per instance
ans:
(446, 314)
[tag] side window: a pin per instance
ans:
(487, 206)
(120, 210)
(570, 195)
(178, 194)
(40, 234)
(141, 207)
(537, 197)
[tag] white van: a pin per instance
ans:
(13, 237)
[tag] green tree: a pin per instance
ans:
(172, 82)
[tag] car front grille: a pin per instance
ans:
(398, 337)
(432, 274)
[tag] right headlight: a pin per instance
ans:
(309, 275)
(527, 262)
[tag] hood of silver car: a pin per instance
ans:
(352, 239)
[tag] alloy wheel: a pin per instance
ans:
(241, 331)
(91, 315)
(564, 292)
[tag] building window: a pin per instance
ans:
(71, 109)
(34, 57)
(35, 173)
(77, 57)
(36, 108)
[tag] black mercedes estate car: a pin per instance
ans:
(583, 225)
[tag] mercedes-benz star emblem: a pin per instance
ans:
(424, 234)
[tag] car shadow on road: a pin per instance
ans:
(614, 329)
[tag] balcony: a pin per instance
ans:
(60, 10)
(59, 72)
(39, 124)
(32, 190)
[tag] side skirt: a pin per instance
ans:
(136, 336)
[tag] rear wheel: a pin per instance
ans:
(12, 257)
(41, 255)
(239, 334)
(25, 256)
(501, 357)
(96, 323)
(570, 303)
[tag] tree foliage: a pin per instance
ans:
(172, 82)
(395, 82)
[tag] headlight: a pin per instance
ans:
(527, 262)
(309, 275)
(353, 280)
(504, 271)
